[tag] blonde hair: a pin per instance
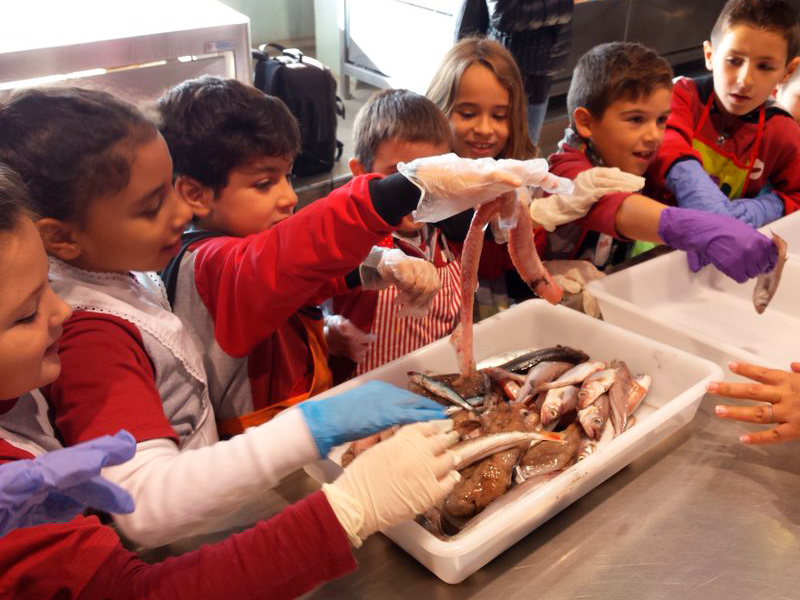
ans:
(476, 50)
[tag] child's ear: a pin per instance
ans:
(356, 168)
(60, 239)
(790, 69)
(708, 54)
(199, 197)
(583, 122)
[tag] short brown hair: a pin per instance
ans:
(773, 15)
(443, 88)
(613, 71)
(397, 114)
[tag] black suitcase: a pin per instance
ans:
(309, 90)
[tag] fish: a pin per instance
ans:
(547, 457)
(639, 388)
(618, 395)
(524, 363)
(541, 373)
(471, 451)
(437, 387)
(522, 249)
(593, 418)
(594, 385)
(767, 283)
(559, 401)
(497, 360)
(575, 376)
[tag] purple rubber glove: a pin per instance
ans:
(58, 485)
(733, 247)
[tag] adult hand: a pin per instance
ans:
(364, 410)
(780, 390)
(346, 339)
(56, 486)
(451, 184)
(733, 247)
(395, 480)
(590, 186)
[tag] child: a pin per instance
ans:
(305, 545)
(780, 390)
(233, 149)
(101, 184)
(399, 126)
(788, 95)
(618, 102)
(725, 141)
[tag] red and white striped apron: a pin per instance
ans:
(398, 336)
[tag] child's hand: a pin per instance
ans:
(346, 339)
(780, 390)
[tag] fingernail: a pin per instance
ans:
(721, 411)
(733, 365)
(712, 387)
(455, 475)
(745, 439)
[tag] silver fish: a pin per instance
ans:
(542, 373)
(767, 284)
(476, 449)
(505, 357)
(575, 376)
(594, 385)
(438, 388)
(618, 395)
(559, 401)
(594, 417)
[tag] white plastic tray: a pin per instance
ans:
(789, 229)
(707, 313)
(679, 381)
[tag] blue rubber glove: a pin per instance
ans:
(693, 188)
(56, 486)
(364, 410)
(733, 247)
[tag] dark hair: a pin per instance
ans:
(14, 200)
(70, 146)
(613, 71)
(397, 114)
(213, 125)
(773, 15)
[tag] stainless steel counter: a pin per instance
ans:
(698, 517)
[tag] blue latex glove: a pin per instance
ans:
(733, 247)
(56, 486)
(365, 410)
(693, 188)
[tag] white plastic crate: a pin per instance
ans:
(788, 228)
(679, 381)
(704, 313)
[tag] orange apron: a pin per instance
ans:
(730, 173)
(322, 380)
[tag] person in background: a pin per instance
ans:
(779, 391)
(42, 557)
(101, 187)
(618, 103)
(536, 32)
(788, 95)
(397, 126)
(725, 141)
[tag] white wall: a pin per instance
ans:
(277, 20)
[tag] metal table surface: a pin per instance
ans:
(698, 516)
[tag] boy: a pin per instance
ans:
(233, 149)
(725, 141)
(618, 102)
(399, 126)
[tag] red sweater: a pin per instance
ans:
(283, 557)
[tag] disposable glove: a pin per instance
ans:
(590, 186)
(395, 480)
(573, 276)
(346, 339)
(450, 184)
(56, 486)
(364, 410)
(693, 188)
(733, 247)
(416, 280)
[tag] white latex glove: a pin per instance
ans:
(590, 186)
(451, 184)
(395, 480)
(346, 339)
(573, 276)
(416, 280)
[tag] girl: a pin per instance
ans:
(286, 556)
(100, 178)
